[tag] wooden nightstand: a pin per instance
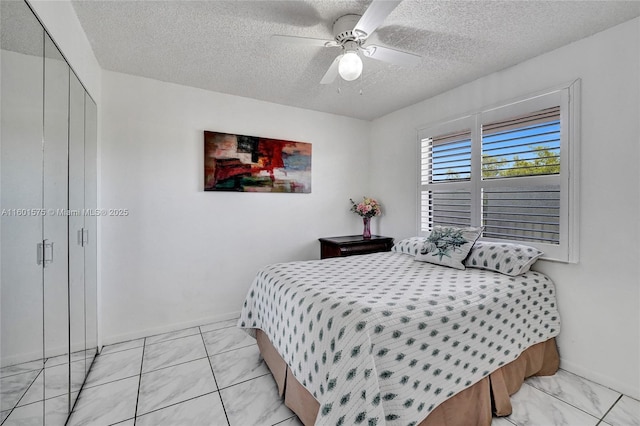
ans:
(353, 244)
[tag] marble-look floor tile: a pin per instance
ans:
(123, 346)
(56, 409)
(226, 339)
(90, 356)
(129, 422)
(56, 379)
(501, 421)
(25, 367)
(534, 407)
(12, 388)
(27, 415)
(63, 359)
(626, 412)
(173, 352)
(238, 365)
(106, 404)
(205, 410)
(78, 375)
(4, 415)
(172, 335)
(161, 388)
(293, 421)
(218, 325)
(584, 394)
(115, 366)
(255, 402)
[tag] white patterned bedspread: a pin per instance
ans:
(384, 339)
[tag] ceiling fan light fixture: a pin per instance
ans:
(350, 66)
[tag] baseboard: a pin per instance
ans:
(33, 356)
(604, 380)
(20, 358)
(119, 338)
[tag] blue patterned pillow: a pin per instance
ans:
(506, 258)
(448, 245)
(409, 245)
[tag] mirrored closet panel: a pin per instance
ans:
(21, 133)
(90, 230)
(76, 225)
(48, 294)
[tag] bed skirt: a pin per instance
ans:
(473, 406)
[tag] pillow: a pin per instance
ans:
(448, 245)
(409, 245)
(506, 258)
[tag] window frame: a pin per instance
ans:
(567, 96)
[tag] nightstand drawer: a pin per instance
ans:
(352, 245)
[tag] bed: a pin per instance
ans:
(385, 339)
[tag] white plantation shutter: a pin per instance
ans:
(506, 169)
(533, 139)
(522, 147)
(448, 157)
(446, 208)
(445, 170)
(527, 213)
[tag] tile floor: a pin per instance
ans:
(22, 388)
(213, 375)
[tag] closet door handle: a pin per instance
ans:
(45, 253)
(49, 247)
(40, 253)
(83, 237)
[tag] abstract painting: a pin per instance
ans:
(254, 164)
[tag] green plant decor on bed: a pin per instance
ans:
(441, 242)
(448, 245)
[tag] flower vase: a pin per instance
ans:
(366, 234)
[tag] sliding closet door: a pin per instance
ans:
(21, 293)
(56, 268)
(90, 247)
(76, 234)
(48, 295)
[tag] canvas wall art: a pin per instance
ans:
(254, 164)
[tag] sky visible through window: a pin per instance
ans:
(530, 150)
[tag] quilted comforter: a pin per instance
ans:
(383, 339)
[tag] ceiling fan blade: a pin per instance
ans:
(304, 41)
(332, 72)
(373, 17)
(392, 56)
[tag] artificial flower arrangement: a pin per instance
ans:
(368, 207)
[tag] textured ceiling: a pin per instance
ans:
(225, 46)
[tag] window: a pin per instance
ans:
(511, 169)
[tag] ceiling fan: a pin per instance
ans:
(351, 33)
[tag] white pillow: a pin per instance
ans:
(448, 245)
(409, 245)
(507, 258)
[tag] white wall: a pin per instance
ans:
(184, 256)
(598, 298)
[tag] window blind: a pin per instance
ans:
(447, 157)
(528, 213)
(506, 168)
(445, 208)
(525, 145)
